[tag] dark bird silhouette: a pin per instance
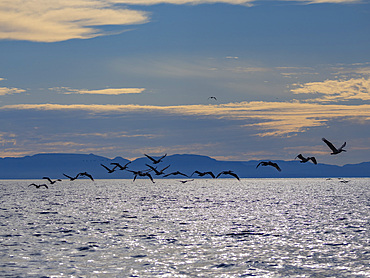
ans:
(201, 174)
(157, 172)
(231, 173)
(85, 174)
(124, 167)
(51, 181)
(269, 163)
(185, 181)
(334, 149)
(176, 173)
(155, 161)
(212, 98)
(141, 174)
(305, 159)
(71, 178)
(110, 171)
(39, 185)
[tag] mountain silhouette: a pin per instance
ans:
(55, 164)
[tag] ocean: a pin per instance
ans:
(202, 228)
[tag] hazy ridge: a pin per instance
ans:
(54, 165)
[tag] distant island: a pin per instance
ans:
(55, 164)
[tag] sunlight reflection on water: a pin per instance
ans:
(204, 228)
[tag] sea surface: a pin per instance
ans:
(202, 228)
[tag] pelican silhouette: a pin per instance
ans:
(71, 178)
(305, 159)
(109, 170)
(51, 181)
(124, 167)
(269, 163)
(176, 173)
(158, 173)
(85, 174)
(231, 173)
(201, 174)
(155, 161)
(334, 149)
(39, 185)
(212, 98)
(185, 181)
(141, 174)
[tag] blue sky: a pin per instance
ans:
(123, 78)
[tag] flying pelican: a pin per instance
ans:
(124, 167)
(212, 98)
(109, 170)
(175, 173)
(158, 173)
(201, 174)
(39, 185)
(231, 173)
(71, 178)
(141, 174)
(155, 161)
(334, 149)
(87, 175)
(51, 182)
(305, 159)
(185, 181)
(269, 163)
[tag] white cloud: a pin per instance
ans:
(336, 90)
(10, 91)
(52, 21)
(108, 91)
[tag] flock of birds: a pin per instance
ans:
(160, 172)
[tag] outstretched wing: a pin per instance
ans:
(211, 174)
(234, 175)
(67, 176)
(276, 166)
(106, 167)
(313, 159)
(162, 157)
(151, 158)
(259, 164)
(330, 145)
(47, 178)
(300, 156)
(219, 174)
(344, 144)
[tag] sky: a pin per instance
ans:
(128, 77)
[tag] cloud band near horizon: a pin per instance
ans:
(269, 118)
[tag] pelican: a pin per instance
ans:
(39, 185)
(87, 175)
(141, 174)
(185, 181)
(201, 174)
(231, 173)
(305, 159)
(212, 98)
(71, 178)
(109, 170)
(158, 173)
(155, 161)
(124, 167)
(334, 149)
(269, 163)
(175, 173)
(51, 182)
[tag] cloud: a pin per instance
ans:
(269, 118)
(10, 91)
(336, 90)
(110, 91)
(52, 21)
